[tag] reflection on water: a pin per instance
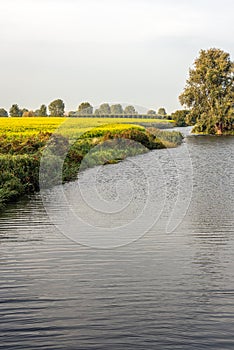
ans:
(164, 291)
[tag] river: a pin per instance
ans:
(169, 285)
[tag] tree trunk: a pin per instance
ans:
(219, 128)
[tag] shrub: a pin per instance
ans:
(174, 138)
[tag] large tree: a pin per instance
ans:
(209, 92)
(15, 111)
(3, 112)
(85, 108)
(116, 109)
(56, 108)
(130, 110)
(162, 111)
(104, 109)
(151, 112)
(43, 111)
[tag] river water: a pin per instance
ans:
(161, 289)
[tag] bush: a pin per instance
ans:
(143, 137)
(168, 138)
(181, 117)
(19, 175)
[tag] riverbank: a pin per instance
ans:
(21, 149)
(218, 129)
(224, 133)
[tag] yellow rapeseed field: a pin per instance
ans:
(13, 127)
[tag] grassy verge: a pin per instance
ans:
(20, 152)
(224, 133)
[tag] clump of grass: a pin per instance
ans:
(168, 138)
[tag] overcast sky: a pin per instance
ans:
(128, 51)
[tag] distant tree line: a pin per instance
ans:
(15, 111)
(208, 99)
(57, 109)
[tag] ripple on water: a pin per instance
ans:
(161, 292)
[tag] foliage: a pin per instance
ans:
(28, 114)
(209, 91)
(18, 176)
(56, 108)
(15, 111)
(169, 138)
(151, 112)
(116, 109)
(85, 108)
(130, 110)
(104, 109)
(42, 112)
(115, 144)
(181, 117)
(162, 111)
(11, 187)
(146, 138)
(3, 112)
(208, 125)
(22, 145)
(112, 151)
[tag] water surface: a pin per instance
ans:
(163, 291)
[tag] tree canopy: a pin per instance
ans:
(3, 112)
(15, 111)
(130, 110)
(42, 111)
(162, 111)
(151, 112)
(116, 109)
(85, 108)
(104, 109)
(209, 92)
(56, 108)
